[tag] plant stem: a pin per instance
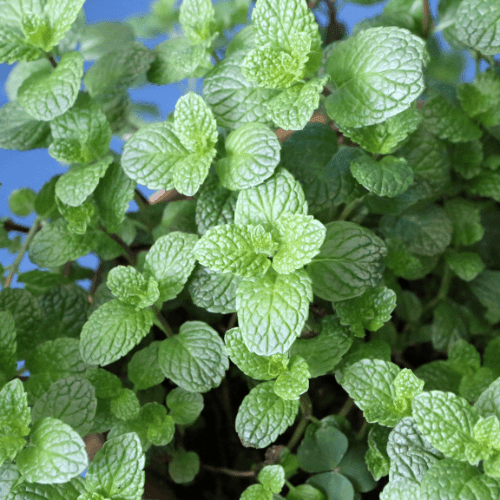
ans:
(168, 331)
(10, 225)
(129, 255)
(335, 30)
(216, 57)
(306, 409)
(22, 251)
(444, 287)
(50, 57)
(348, 209)
(229, 472)
(427, 20)
(361, 434)
(140, 199)
(442, 26)
(232, 321)
(96, 280)
(348, 406)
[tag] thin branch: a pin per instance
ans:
(50, 57)
(348, 406)
(335, 30)
(96, 280)
(163, 322)
(326, 92)
(129, 254)
(10, 225)
(67, 268)
(232, 321)
(140, 199)
(22, 251)
(229, 472)
(306, 408)
(216, 57)
(311, 4)
(444, 288)
(427, 20)
(171, 195)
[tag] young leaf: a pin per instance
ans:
(264, 204)
(55, 455)
(252, 154)
(195, 359)
(197, 19)
(446, 421)
(390, 176)
(368, 91)
(348, 263)
(112, 331)
(170, 261)
(377, 459)
(184, 466)
(15, 419)
(324, 351)
(293, 382)
(370, 310)
(46, 96)
(185, 407)
(466, 265)
(130, 286)
(71, 400)
(143, 369)
(477, 24)
(263, 416)
(125, 405)
(272, 310)
(301, 237)
(251, 364)
(15, 48)
(117, 468)
(256, 492)
(272, 477)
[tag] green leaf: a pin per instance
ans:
(99, 38)
(252, 154)
(256, 492)
(117, 468)
(265, 203)
(324, 351)
(46, 96)
(390, 176)
(160, 426)
(74, 186)
(294, 106)
(376, 457)
(36, 491)
(466, 265)
(106, 384)
(272, 477)
(56, 453)
(462, 481)
(71, 400)
(21, 201)
(14, 47)
(215, 205)
(19, 130)
(176, 59)
(448, 121)
(263, 416)
(472, 386)
(83, 127)
(170, 261)
(491, 355)
(184, 466)
(78, 218)
(112, 331)
(195, 359)
(383, 138)
(449, 324)
(489, 402)
(305, 492)
(233, 99)
(251, 364)
(381, 390)
(197, 19)
(301, 237)
(295, 381)
(130, 286)
(8, 344)
(410, 453)
(272, 310)
(334, 485)
(486, 287)
(446, 421)
(215, 292)
(185, 407)
(112, 196)
(322, 448)
(348, 263)
(486, 184)
(465, 217)
(55, 244)
(467, 159)
(463, 357)
(370, 310)
(426, 231)
(15, 419)
(118, 69)
(233, 248)
(143, 369)
(367, 90)
(166, 155)
(125, 405)
(477, 24)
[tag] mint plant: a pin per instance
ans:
(310, 308)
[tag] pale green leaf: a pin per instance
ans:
(252, 154)
(130, 286)
(263, 416)
(272, 310)
(293, 382)
(45, 96)
(348, 263)
(106, 384)
(272, 477)
(125, 405)
(376, 458)
(21, 201)
(61, 14)
(367, 89)
(466, 265)
(56, 453)
(14, 47)
(143, 369)
(71, 490)
(184, 466)
(112, 331)
(185, 407)
(99, 38)
(195, 359)
(197, 18)
(489, 402)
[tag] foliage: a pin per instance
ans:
(316, 312)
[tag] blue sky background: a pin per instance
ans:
(33, 168)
